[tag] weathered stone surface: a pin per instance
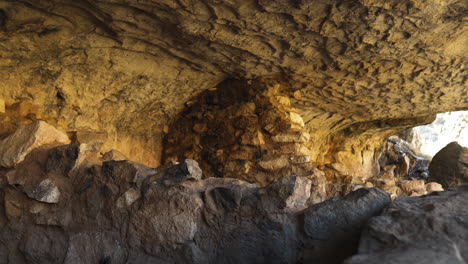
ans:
(274, 164)
(67, 159)
(334, 225)
(290, 194)
(47, 192)
(433, 187)
(125, 212)
(293, 137)
(449, 166)
(427, 229)
(185, 170)
(355, 71)
(113, 155)
(14, 148)
(413, 187)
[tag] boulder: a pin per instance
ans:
(429, 229)
(15, 147)
(449, 166)
(333, 226)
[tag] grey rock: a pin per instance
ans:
(186, 170)
(334, 226)
(47, 192)
(96, 247)
(449, 166)
(289, 194)
(427, 229)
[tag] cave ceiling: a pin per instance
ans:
(130, 66)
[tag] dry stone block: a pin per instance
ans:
(415, 186)
(434, 187)
(14, 148)
(291, 137)
(274, 164)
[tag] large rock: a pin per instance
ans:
(14, 148)
(430, 229)
(333, 226)
(449, 166)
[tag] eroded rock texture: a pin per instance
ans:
(428, 229)
(126, 68)
(60, 205)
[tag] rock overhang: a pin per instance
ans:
(128, 69)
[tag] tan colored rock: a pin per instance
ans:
(113, 155)
(274, 164)
(91, 138)
(14, 148)
(295, 148)
(284, 100)
(395, 190)
(434, 187)
(292, 137)
(296, 118)
(300, 159)
(14, 204)
(414, 186)
(254, 138)
(2, 105)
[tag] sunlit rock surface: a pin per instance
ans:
(354, 70)
(446, 128)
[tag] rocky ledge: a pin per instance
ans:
(69, 204)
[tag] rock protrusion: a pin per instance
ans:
(429, 229)
(334, 225)
(449, 166)
(15, 147)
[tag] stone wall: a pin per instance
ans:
(243, 129)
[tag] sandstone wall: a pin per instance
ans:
(128, 69)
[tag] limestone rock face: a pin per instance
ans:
(14, 148)
(401, 234)
(127, 69)
(450, 166)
